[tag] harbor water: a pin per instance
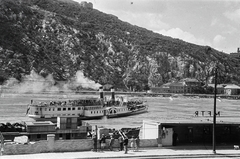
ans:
(13, 109)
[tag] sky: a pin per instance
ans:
(215, 23)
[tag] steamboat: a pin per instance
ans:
(86, 108)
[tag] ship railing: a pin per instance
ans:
(70, 103)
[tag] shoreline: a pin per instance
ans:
(64, 95)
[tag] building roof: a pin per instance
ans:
(189, 80)
(166, 84)
(39, 123)
(197, 120)
(218, 85)
(176, 84)
(232, 86)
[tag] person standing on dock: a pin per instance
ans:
(137, 143)
(103, 142)
(120, 140)
(1, 144)
(94, 138)
(132, 143)
(111, 143)
(125, 144)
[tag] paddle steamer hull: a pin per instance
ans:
(85, 109)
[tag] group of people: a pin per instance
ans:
(135, 143)
(79, 102)
(123, 143)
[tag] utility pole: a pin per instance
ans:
(215, 98)
(214, 111)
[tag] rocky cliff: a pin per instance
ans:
(60, 38)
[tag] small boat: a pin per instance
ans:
(86, 108)
(127, 109)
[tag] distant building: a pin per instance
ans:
(166, 87)
(186, 85)
(232, 89)
(227, 89)
(86, 4)
(236, 55)
(162, 89)
(176, 87)
(220, 88)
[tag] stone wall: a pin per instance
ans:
(51, 145)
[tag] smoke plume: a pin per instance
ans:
(35, 83)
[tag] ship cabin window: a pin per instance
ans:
(73, 114)
(49, 109)
(97, 111)
(79, 108)
(59, 109)
(53, 109)
(64, 108)
(69, 108)
(73, 108)
(91, 112)
(40, 108)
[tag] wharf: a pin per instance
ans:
(156, 152)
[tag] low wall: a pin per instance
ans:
(51, 145)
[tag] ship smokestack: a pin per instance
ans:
(113, 94)
(101, 92)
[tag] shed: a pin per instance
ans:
(40, 126)
(197, 131)
(232, 89)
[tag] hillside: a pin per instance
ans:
(60, 38)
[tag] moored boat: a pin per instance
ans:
(127, 110)
(86, 108)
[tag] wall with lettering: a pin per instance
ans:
(205, 113)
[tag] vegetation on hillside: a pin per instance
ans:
(60, 38)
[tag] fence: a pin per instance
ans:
(52, 145)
